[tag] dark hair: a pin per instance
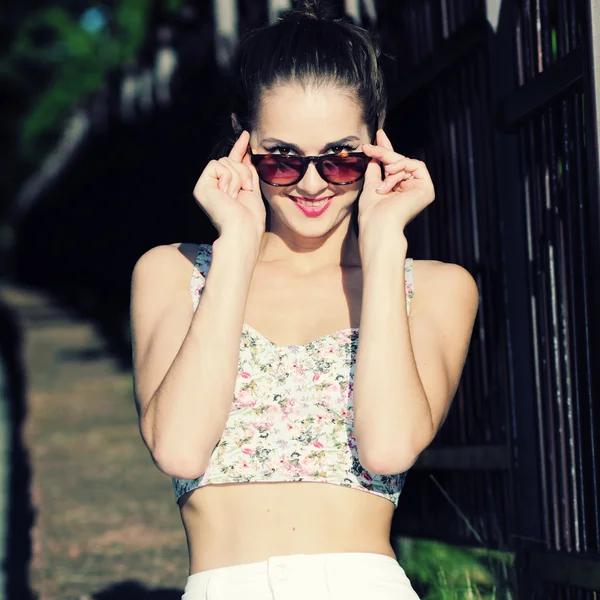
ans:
(307, 47)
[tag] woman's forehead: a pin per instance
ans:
(310, 117)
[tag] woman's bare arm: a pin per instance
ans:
(408, 369)
(185, 362)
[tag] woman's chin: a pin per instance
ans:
(309, 223)
(310, 227)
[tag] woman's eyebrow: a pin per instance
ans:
(341, 142)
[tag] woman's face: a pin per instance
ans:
(309, 121)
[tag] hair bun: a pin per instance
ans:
(311, 9)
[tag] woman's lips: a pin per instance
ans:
(312, 207)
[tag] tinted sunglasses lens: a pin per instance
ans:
(344, 169)
(279, 170)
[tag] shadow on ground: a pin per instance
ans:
(19, 509)
(130, 590)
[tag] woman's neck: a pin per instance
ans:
(338, 248)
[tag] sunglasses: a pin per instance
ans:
(281, 170)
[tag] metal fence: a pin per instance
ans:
(499, 100)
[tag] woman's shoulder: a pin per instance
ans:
(438, 281)
(175, 253)
(432, 270)
(170, 260)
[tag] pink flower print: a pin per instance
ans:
(245, 375)
(245, 398)
(317, 445)
(288, 407)
(247, 450)
(263, 425)
(316, 377)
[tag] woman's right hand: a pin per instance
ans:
(228, 191)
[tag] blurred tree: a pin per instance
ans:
(53, 58)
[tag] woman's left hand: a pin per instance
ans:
(390, 204)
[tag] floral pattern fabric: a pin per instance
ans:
(291, 417)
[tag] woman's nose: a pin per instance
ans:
(312, 183)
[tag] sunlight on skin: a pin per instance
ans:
(321, 115)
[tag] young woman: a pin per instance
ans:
(287, 432)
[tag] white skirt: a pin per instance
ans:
(335, 576)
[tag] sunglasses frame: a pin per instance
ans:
(306, 161)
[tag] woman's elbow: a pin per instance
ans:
(389, 462)
(175, 462)
(179, 467)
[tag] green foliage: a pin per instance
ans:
(456, 573)
(75, 62)
(54, 63)
(130, 21)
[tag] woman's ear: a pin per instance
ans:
(235, 124)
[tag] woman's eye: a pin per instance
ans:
(341, 149)
(281, 150)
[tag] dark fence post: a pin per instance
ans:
(525, 476)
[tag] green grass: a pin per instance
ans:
(447, 572)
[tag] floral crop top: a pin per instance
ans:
(292, 414)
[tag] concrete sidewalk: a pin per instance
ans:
(106, 523)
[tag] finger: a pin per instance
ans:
(410, 184)
(215, 176)
(255, 181)
(385, 155)
(393, 182)
(240, 147)
(396, 167)
(244, 173)
(383, 140)
(410, 165)
(373, 176)
(224, 180)
(235, 183)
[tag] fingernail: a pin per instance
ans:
(234, 194)
(249, 184)
(381, 186)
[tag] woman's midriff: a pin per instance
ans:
(233, 524)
